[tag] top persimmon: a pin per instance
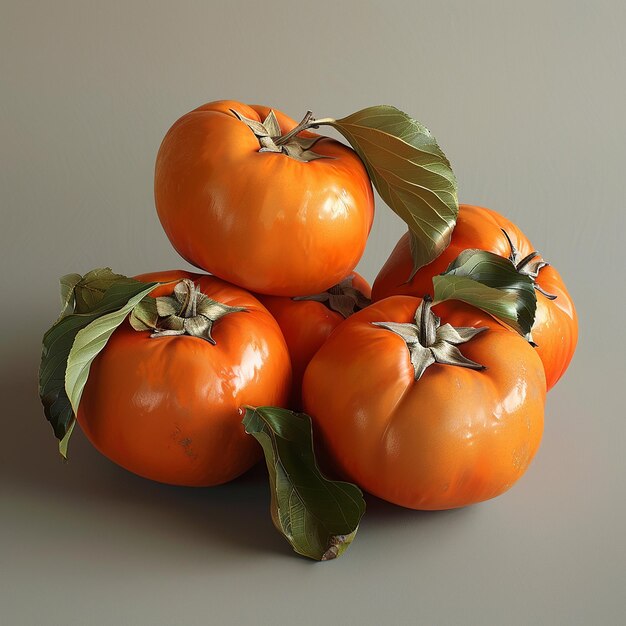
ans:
(275, 212)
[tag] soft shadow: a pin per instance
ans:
(237, 513)
(383, 512)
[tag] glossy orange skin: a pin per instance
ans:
(453, 438)
(306, 325)
(168, 408)
(556, 323)
(261, 220)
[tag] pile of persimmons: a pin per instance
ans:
(426, 390)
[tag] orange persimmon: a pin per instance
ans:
(241, 198)
(307, 321)
(428, 409)
(555, 330)
(166, 406)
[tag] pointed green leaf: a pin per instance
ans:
(89, 342)
(91, 289)
(410, 172)
(318, 517)
(492, 284)
(63, 444)
(57, 344)
(68, 284)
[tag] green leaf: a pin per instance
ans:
(91, 289)
(89, 342)
(68, 285)
(57, 344)
(145, 315)
(66, 439)
(317, 516)
(410, 172)
(492, 284)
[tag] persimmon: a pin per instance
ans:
(165, 404)
(241, 193)
(307, 321)
(555, 330)
(427, 408)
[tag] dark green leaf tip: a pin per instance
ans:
(493, 284)
(317, 516)
(410, 172)
(93, 306)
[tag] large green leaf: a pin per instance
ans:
(57, 344)
(492, 284)
(410, 172)
(89, 342)
(318, 517)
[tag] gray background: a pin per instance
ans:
(527, 99)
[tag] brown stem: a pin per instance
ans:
(303, 125)
(270, 140)
(189, 304)
(427, 323)
(308, 121)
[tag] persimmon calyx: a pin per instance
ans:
(187, 312)
(428, 342)
(343, 298)
(530, 265)
(270, 139)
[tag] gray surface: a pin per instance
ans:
(527, 100)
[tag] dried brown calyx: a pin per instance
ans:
(344, 298)
(271, 139)
(187, 312)
(428, 342)
(530, 265)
